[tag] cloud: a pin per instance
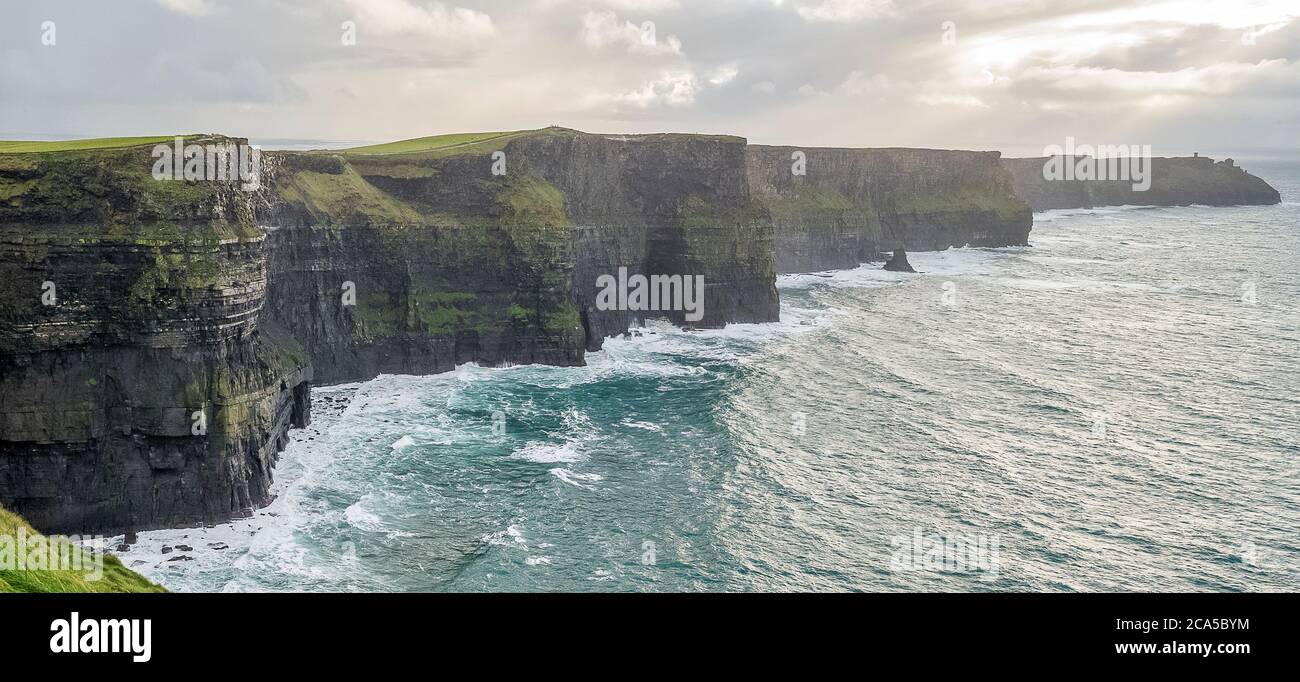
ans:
(857, 72)
(724, 74)
(859, 84)
(243, 81)
(642, 5)
(844, 11)
(670, 88)
(456, 25)
(944, 99)
(929, 93)
(1210, 81)
(605, 29)
(192, 8)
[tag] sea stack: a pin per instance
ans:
(898, 263)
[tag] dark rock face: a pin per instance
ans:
(853, 203)
(425, 301)
(450, 264)
(660, 205)
(1176, 181)
(898, 262)
(143, 392)
(413, 266)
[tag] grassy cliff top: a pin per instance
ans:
(435, 143)
(33, 146)
(115, 578)
(477, 143)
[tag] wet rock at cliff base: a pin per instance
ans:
(898, 263)
(129, 539)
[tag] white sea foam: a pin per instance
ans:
(547, 453)
(358, 516)
(1056, 213)
(1080, 283)
(645, 354)
(947, 263)
(512, 536)
(601, 575)
(576, 479)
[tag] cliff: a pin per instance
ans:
(852, 204)
(1175, 181)
(138, 386)
(450, 263)
(158, 338)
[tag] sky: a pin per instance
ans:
(1008, 75)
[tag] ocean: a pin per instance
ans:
(1114, 408)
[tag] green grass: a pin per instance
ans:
(347, 194)
(435, 143)
(1004, 205)
(115, 578)
(27, 147)
(531, 200)
(565, 318)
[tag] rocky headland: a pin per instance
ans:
(1174, 181)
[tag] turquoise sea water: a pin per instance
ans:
(1116, 407)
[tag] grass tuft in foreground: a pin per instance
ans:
(115, 577)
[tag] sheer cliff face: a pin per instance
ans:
(1179, 181)
(450, 263)
(660, 205)
(136, 386)
(414, 265)
(849, 205)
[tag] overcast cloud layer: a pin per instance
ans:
(1013, 75)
